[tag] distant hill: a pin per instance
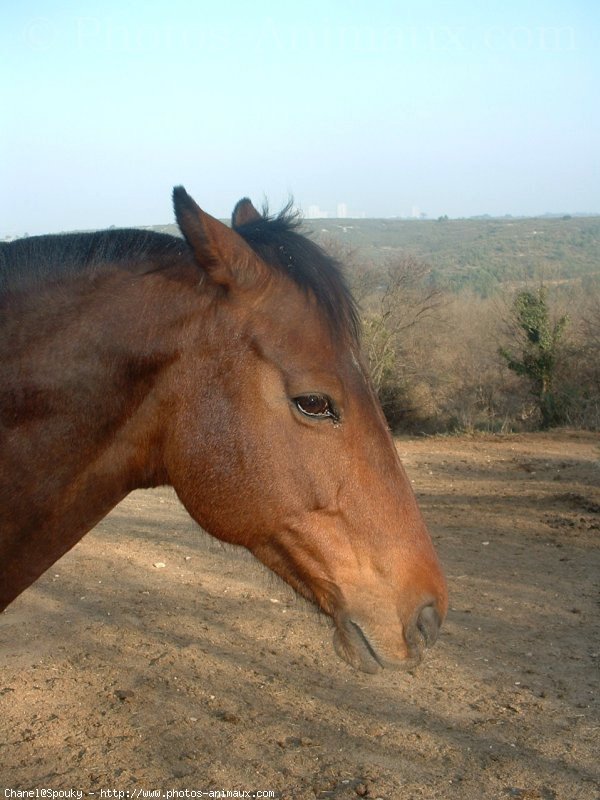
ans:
(479, 253)
(475, 253)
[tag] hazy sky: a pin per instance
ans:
(450, 107)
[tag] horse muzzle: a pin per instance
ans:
(371, 646)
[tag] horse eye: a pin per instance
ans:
(315, 405)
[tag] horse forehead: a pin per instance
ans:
(290, 316)
(288, 326)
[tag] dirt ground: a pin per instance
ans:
(153, 658)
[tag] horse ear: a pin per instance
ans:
(244, 213)
(220, 251)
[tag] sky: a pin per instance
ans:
(392, 108)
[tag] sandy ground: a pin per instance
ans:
(205, 674)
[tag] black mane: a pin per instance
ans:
(29, 262)
(276, 240)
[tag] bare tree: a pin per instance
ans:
(399, 301)
(406, 300)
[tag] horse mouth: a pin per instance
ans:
(354, 646)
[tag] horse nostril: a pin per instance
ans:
(428, 624)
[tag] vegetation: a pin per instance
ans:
(512, 343)
(477, 254)
(539, 352)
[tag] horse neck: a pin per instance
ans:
(82, 368)
(82, 365)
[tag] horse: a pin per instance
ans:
(225, 363)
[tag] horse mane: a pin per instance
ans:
(32, 261)
(277, 241)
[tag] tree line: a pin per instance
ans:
(526, 357)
